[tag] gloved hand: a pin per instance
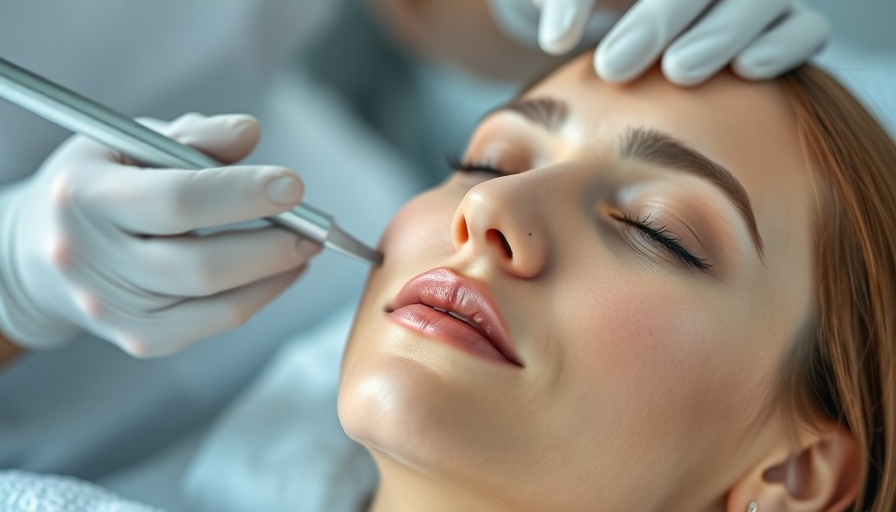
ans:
(696, 38)
(93, 242)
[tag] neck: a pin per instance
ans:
(403, 489)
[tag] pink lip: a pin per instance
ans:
(483, 334)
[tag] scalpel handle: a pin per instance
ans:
(82, 115)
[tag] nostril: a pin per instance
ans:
(494, 233)
(462, 232)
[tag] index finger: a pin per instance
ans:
(173, 201)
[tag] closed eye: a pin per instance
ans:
(657, 234)
(660, 234)
(456, 164)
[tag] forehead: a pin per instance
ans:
(746, 127)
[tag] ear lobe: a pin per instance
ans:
(822, 476)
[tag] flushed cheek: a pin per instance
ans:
(648, 354)
(653, 338)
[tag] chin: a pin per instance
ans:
(426, 406)
(399, 402)
(384, 407)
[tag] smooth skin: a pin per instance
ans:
(646, 382)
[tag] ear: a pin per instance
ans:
(821, 475)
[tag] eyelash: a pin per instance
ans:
(659, 234)
(668, 240)
(456, 164)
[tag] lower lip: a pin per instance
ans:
(445, 328)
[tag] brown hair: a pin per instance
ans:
(851, 372)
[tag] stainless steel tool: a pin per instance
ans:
(108, 127)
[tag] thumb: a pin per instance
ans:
(227, 138)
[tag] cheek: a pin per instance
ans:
(659, 361)
(417, 239)
(650, 336)
(421, 227)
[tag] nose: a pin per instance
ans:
(503, 220)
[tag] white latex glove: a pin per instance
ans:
(93, 242)
(696, 38)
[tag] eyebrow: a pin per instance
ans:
(651, 147)
(549, 113)
(654, 147)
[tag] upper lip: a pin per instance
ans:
(462, 297)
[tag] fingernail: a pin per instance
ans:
(305, 248)
(621, 58)
(284, 190)
(554, 33)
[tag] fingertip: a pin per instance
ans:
(607, 71)
(239, 120)
(626, 54)
(136, 347)
(765, 61)
(803, 33)
(755, 68)
(246, 132)
(228, 138)
(283, 187)
(244, 124)
(555, 40)
(555, 45)
(561, 25)
(682, 75)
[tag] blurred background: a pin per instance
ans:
(390, 89)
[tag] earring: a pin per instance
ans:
(752, 507)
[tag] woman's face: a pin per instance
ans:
(647, 292)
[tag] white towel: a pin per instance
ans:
(22, 491)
